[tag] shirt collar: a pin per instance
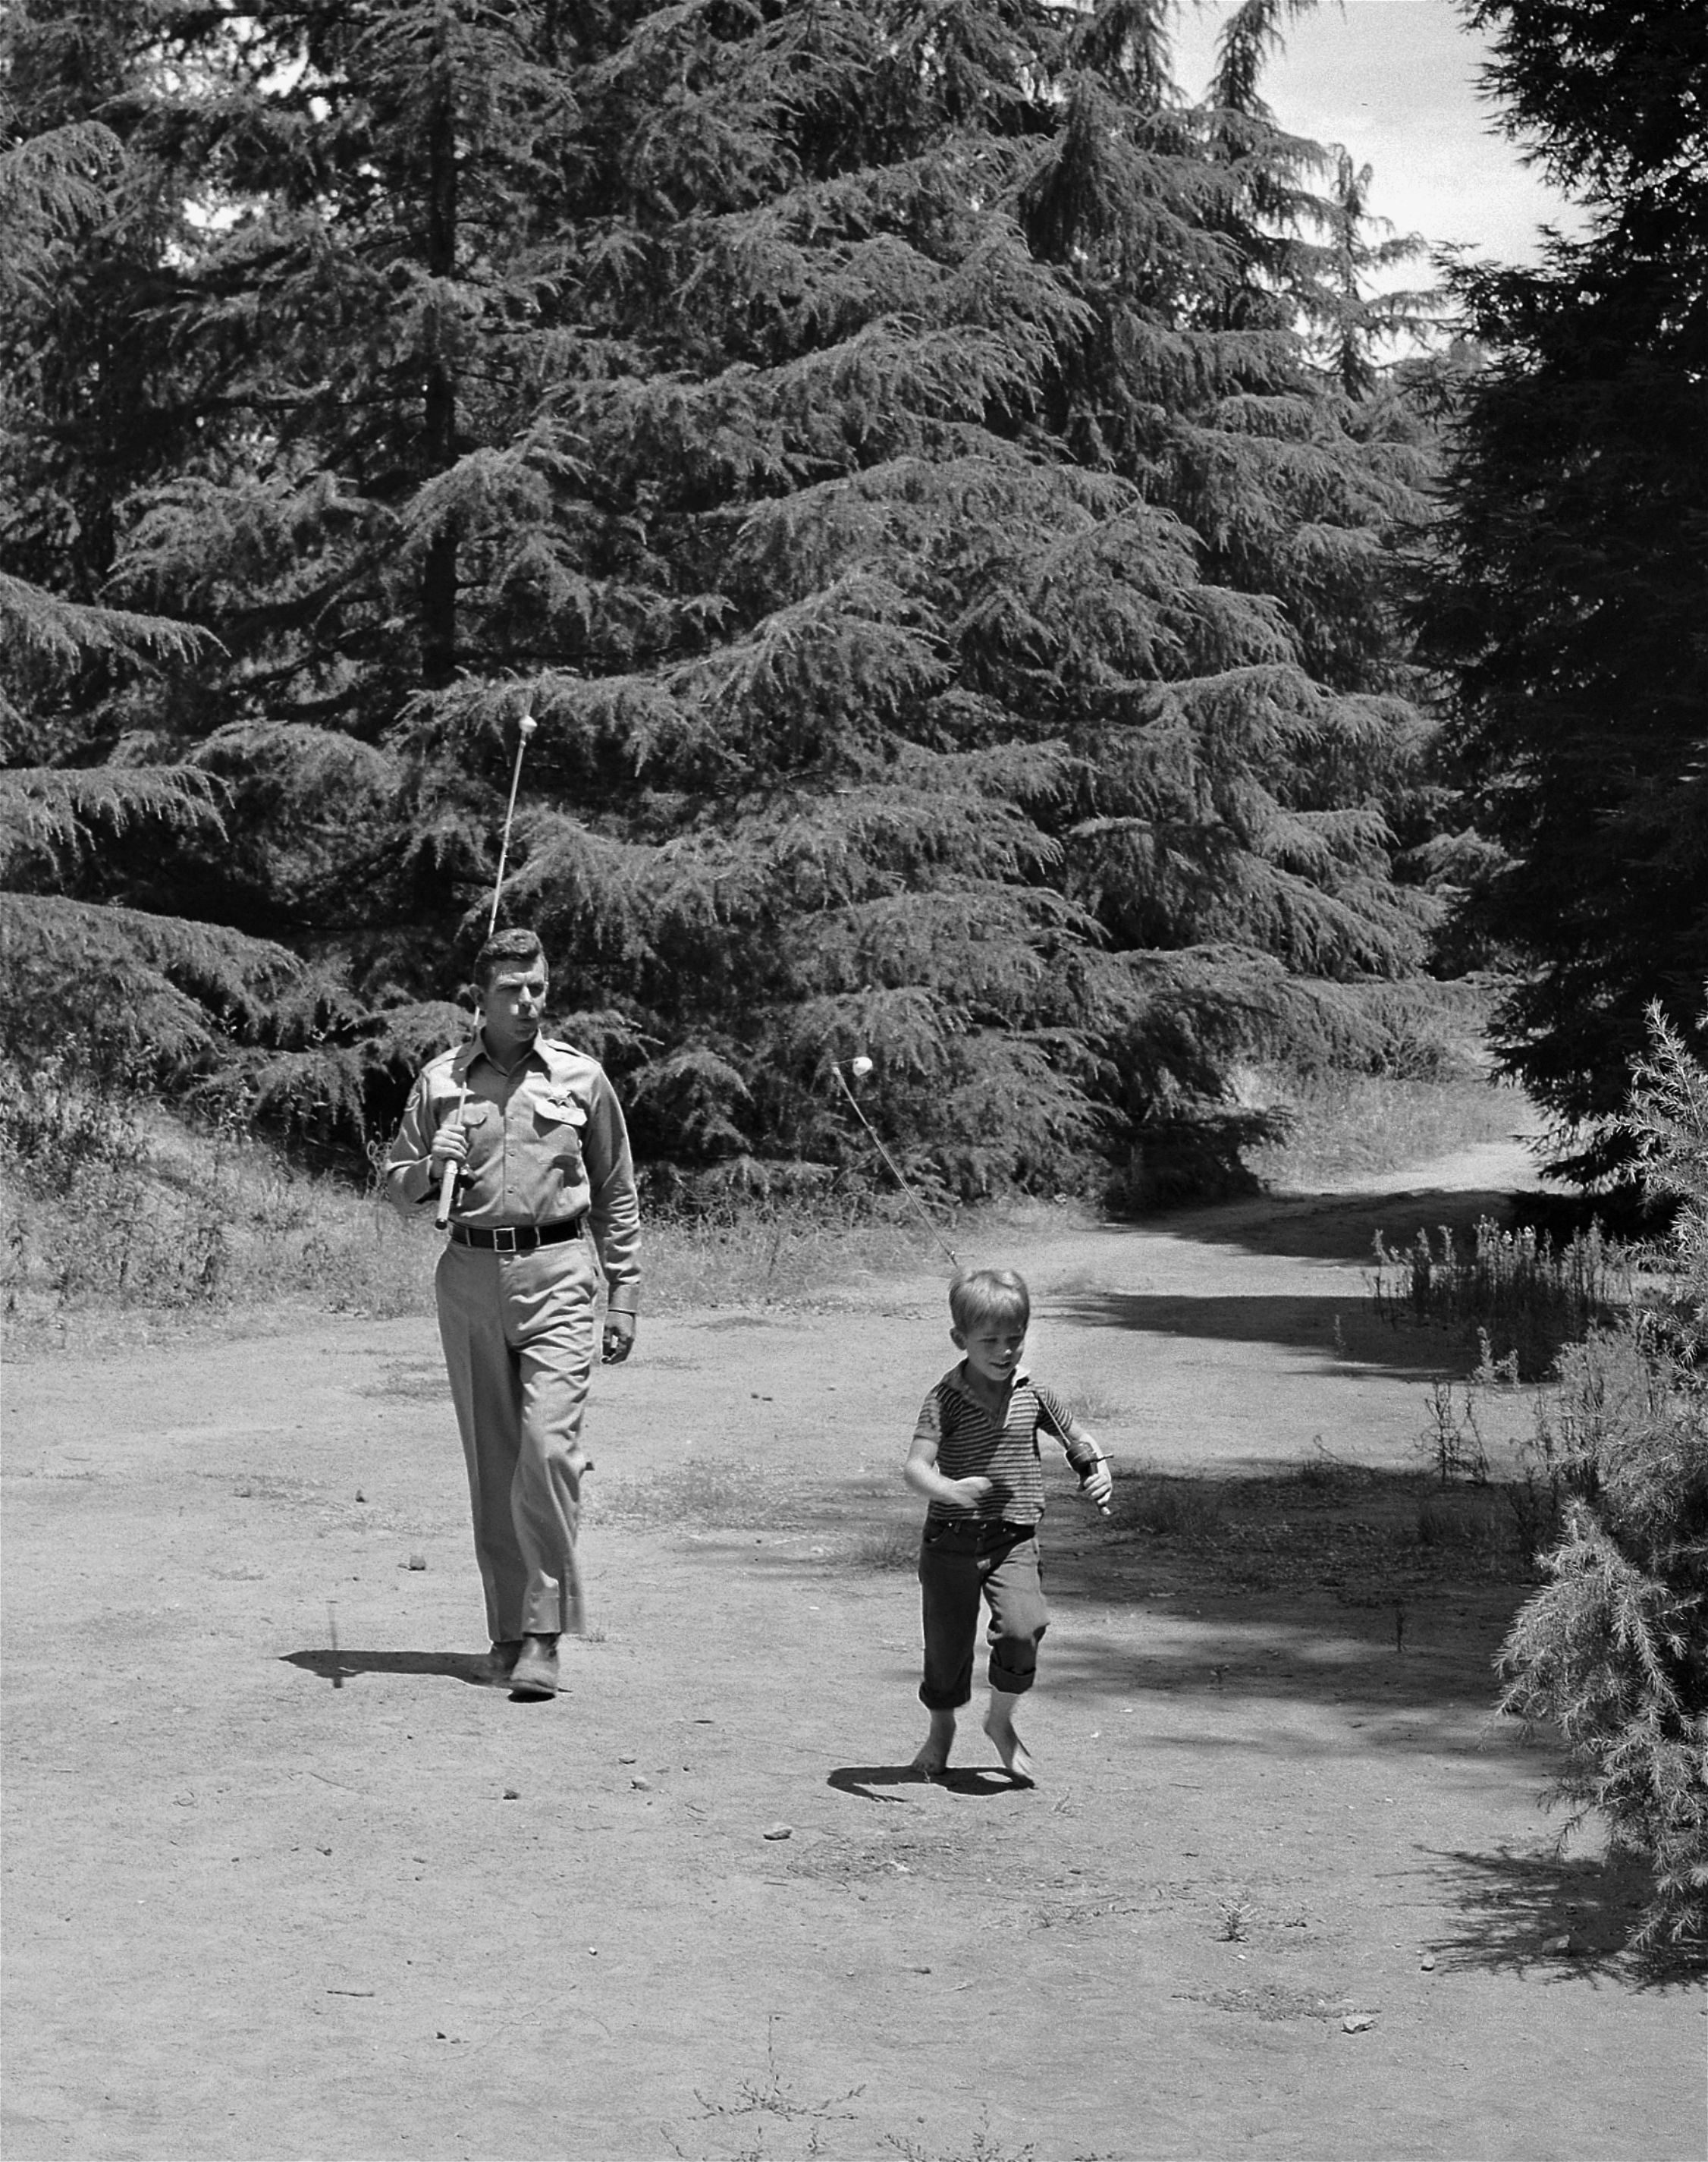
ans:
(553, 1056)
(957, 1379)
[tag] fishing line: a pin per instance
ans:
(862, 1066)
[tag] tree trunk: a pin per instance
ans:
(439, 573)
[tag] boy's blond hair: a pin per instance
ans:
(978, 1295)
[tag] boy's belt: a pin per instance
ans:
(982, 1531)
(518, 1238)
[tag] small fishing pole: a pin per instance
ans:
(861, 1067)
(448, 1182)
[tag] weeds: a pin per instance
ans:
(1363, 1532)
(1453, 1440)
(1477, 1529)
(770, 2095)
(775, 1258)
(1356, 1124)
(885, 1549)
(713, 1492)
(114, 1209)
(1235, 1917)
(984, 2148)
(1526, 1297)
(1323, 1472)
(111, 1210)
(1166, 1505)
(770, 2099)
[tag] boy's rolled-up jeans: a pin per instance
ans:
(959, 1564)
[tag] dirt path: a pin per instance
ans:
(261, 1906)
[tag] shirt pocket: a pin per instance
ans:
(479, 1123)
(441, 1110)
(558, 1120)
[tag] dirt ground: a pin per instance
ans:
(1285, 1889)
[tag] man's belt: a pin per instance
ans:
(518, 1238)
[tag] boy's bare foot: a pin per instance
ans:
(933, 1758)
(999, 1724)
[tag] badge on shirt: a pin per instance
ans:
(560, 1107)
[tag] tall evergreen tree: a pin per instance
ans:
(1568, 602)
(151, 992)
(894, 449)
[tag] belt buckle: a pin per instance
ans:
(503, 1239)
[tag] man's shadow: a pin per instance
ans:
(984, 1782)
(339, 1667)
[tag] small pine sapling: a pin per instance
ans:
(1613, 1649)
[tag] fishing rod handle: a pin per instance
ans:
(447, 1178)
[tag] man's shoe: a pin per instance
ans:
(500, 1661)
(535, 1673)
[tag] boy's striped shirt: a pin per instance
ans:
(972, 1444)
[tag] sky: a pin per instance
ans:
(1395, 82)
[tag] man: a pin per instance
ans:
(541, 1155)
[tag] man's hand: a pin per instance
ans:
(450, 1145)
(619, 1338)
(965, 1493)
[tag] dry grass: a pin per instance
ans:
(1353, 1125)
(887, 1548)
(777, 1260)
(190, 1229)
(130, 1225)
(708, 1492)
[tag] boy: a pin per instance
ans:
(975, 1459)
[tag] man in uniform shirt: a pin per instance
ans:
(541, 1156)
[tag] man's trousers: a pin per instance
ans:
(959, 1564)
(518, 1332)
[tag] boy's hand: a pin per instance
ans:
(1097, 1486)
(966, 1493)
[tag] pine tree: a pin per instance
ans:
(149, 992)
(970, 725)
(1613, 1649)
(1568, 601)
(904, 458)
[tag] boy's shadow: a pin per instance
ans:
(984, 1782)
(341, 1666)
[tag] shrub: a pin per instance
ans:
(113, 1205)
(1526, 1296)
(1166, 1505)
(1613, 1649)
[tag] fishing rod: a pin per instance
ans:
(447, 1182)
(860, 1068)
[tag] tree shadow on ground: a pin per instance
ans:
(339, 1667)
(1335, 1227)
(1517, 1908)
(1341, 1329)
(1248, 1674)
(1315, 1588)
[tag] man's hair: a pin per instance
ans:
(504, 950)
(979, 1295)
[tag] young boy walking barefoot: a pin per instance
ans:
(975, 1459)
